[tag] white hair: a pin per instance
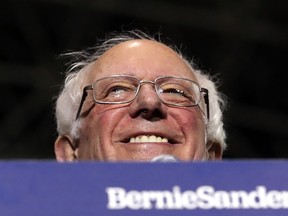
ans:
(215, 128)
(71, 93)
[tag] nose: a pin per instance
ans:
(147, 104)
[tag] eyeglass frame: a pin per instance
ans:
(90, 87)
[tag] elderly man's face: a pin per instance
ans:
(107, 129)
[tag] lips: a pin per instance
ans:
(148, 138)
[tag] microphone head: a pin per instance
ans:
(165, 159)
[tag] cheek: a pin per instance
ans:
(193, 127)
(103, 120)
(97, 131)
(190, 120)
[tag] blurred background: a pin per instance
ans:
(243, 42)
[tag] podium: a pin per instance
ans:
(49, 188)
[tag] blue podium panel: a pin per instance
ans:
(201, 188)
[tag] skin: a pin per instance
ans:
(106, 128)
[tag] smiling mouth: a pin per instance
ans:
(147, 139)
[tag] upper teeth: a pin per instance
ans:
(144, 138)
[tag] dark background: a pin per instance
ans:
(243, 42)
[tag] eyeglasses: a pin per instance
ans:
(121, 89)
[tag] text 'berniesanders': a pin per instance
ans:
(204, 197)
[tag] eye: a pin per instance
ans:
(118, 90)
(115, 89)
(176, 94)
(175, 91)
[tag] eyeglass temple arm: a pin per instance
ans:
(206, 100)
(84, 95)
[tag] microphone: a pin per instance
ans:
(165, 158)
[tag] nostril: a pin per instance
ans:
(152, 115)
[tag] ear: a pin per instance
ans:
(64, 149)
(214, 150)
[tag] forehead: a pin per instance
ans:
(145, 59)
